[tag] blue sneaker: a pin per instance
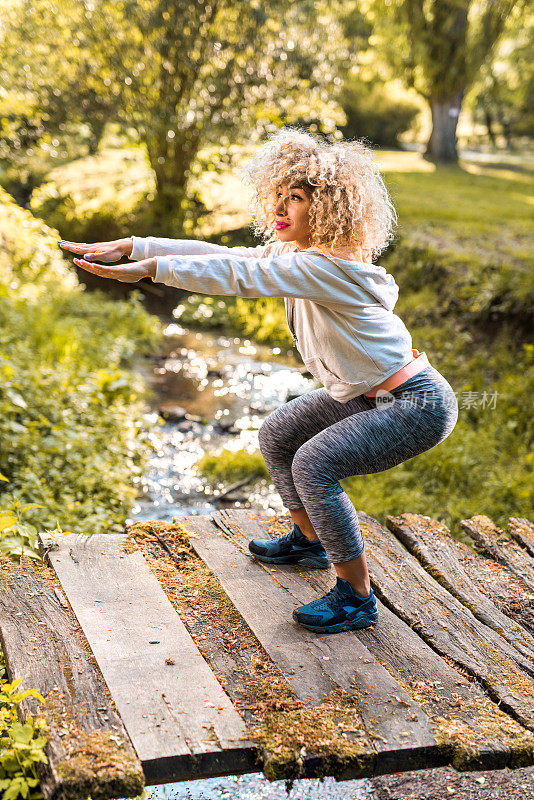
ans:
(341, 609)
(293, 548)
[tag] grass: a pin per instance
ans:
(471, 209)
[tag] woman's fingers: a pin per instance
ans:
(85, 247)
(102, 251)
(127, 273)
(98, 269)
(117, 272)
(78, 247)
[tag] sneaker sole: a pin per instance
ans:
(306, 561)
(341, 626)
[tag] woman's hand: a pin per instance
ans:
(108, 252)
(126, 273)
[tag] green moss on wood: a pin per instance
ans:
(467, 723)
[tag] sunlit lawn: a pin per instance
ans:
(481, 209)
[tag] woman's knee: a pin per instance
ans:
(269, 436)
(314, 471)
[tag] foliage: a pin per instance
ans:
(71, 435)
(439, 48)
(72, 440)
(263, 319)
(228, 466)
(98, 197)
(464, 288)
(176, 75)
(41, 124)
(375, 110)
(502, 98)
(441, 45)
(17, 538)
(21, 745)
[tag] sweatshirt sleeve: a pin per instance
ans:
(151, 246)
(299, 275)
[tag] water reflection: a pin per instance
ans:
(215, 393)
(256, 787)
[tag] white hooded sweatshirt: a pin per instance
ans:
(339, 312)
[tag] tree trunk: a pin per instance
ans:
(506, 128)
(489, 125)
(96, 133)
(442, 143)
(171, 162)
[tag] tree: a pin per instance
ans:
(53, 101)
(502, 97)
(181, 73)
(439, 46)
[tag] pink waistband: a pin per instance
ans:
(419, 362)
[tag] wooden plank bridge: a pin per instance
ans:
(169, 653)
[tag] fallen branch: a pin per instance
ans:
(234, 486)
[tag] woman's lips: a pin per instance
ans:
(280, 225)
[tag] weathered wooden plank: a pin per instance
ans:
(494, 542)
(522, 530)
(446, 624)
(134, 632)
(468, 724)
(507, 592)
(452, 564)
(314, 664)
(88, 749)
(252, 680)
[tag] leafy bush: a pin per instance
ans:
(21, 745)
(72, 440)
(375, 111)
(19, 539)
(473, 290)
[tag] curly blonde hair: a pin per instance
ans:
(350, 205)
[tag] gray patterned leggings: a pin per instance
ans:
(313, 441)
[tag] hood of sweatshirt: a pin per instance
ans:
(374, 280)
(379, 284)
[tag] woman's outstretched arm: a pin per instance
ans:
(138, 248)
(306, 275)
(151, 246)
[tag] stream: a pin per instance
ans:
(214, 391)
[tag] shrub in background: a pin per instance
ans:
(375, 111)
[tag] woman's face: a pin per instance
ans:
(291, 212)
